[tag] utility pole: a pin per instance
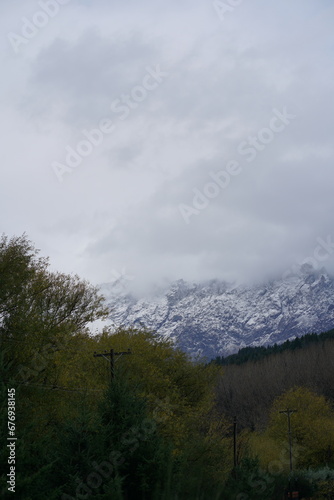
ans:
(235, 442)
(288, 412)
(112, 355)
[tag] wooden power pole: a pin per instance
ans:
(235, 461)
(112, 355)
(288, 412)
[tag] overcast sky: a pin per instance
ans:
(162, 140)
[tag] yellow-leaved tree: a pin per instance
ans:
(312, 426)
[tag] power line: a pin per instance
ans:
(53, 387)
(59, 348)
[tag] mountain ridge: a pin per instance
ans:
(218, 318)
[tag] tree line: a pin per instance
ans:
(259, 352)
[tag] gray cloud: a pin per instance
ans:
(120, 207)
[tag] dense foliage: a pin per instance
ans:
(151, 433)
(162, 428)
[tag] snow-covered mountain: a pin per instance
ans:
(217, 318)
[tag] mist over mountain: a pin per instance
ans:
(218, 318)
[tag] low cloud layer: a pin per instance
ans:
(169, 141)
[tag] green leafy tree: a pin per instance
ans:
(312, 426)
(156, 432)
(41, 312)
